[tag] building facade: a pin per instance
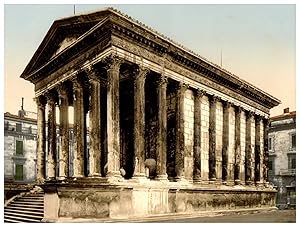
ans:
(19, 148)
(282, 157)
(145, 98)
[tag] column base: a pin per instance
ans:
(61, 178)
(163, 177)
(139, 179)
(237, 182)
(249, 182)
(94, 175)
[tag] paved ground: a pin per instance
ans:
(275, 216)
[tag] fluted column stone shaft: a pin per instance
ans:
(139, 122)
(249, 159)
(94, 123)
(161, 156)
(113, 116)
(52, 162)
(237, 163)
(78, 129)
(197, 135)
(212, 138)
(225, 142)
(179, 147)
(63, 132)
(41, 138)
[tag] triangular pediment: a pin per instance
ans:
(62, 34)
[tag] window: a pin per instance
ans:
(270, 141)
(294, 141)
(270, 164)
(19, 127)
(292, 162)
(19, 147)
(19, 172)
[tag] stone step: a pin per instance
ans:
(20, 219)
(9, 220)
(26, 205)
(40, 209)
(24, 215)
(29, 211)
(29, 202)
(31, 198)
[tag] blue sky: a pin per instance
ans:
(257, 41)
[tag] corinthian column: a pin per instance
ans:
(237, 163)
(259, 134)
(113, 116)
(197, 135)
(139, 122)
(249, 157)
(265, 152)
(41, 138)
(78, 129)
(64, 132)
(161, 156)
(95, 123)
(180, 150)
(212, 138)
(225, 143)
(51, 137)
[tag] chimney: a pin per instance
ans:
(286, 110)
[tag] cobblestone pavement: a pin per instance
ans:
(275, 216)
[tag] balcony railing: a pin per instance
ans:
(287, 172)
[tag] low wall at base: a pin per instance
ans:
(95, 200)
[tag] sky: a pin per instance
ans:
(257, 42)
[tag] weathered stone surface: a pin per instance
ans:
(95, 123)
(51, 173)
(41, 139)
(64, 132)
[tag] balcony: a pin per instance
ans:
(287, 172)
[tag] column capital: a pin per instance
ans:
(227, 104)
(62, 90)
(92, 73)
(40, 101)
(200, 93)
(50, 97)
(214, 99)
(113, 62)
(162, 81)
(182, 86)
(258, 118)
(140, 72)
(76, 83)
(250, 114)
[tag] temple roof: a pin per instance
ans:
(67, 31)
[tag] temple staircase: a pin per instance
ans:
(25, 207)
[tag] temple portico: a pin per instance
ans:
(141, 99)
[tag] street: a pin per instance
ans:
(275, 216)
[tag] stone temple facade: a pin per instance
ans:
(169, 131)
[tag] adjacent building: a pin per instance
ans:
(282, 157)
(19, 148)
